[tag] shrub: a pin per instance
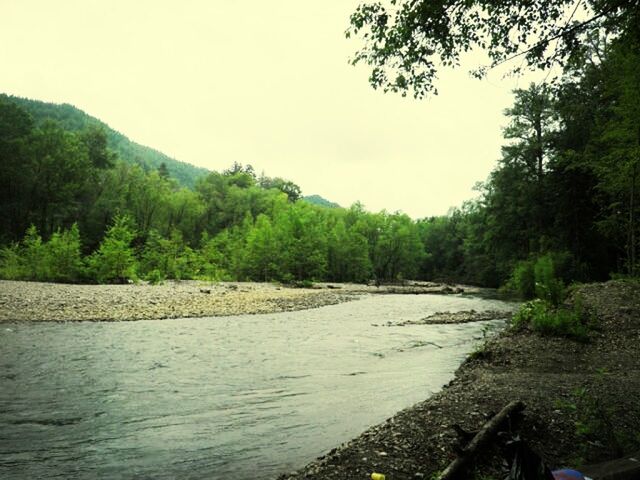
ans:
(523, 280)
(542, 317)
(547, 286)
(538, 279)
(155, 277)
(62, 256)
(11, 267)
(32, 256)
(114, 261)
(169, 258)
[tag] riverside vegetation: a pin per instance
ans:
(80, 204)
(74, 210)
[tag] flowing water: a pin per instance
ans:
(217, 398)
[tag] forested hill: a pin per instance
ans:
(74, 119)
(321, 201)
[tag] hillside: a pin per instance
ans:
(74, 119)
(318, 200)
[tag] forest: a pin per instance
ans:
(564, 191)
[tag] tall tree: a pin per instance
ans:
(406, 41)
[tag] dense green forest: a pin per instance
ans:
(75, 120)
(75, 207)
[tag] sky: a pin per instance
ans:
(261, 83)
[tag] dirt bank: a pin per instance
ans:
(582, 400)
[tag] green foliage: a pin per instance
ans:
(11, 264)
(405, 42)
(33, 255)
(537, 278)
(75, 120)
(593, 419)
(561, 205)
(320, 201)
(168, 258)
(523, 280)
(63, 256)
(57, 260)
(115, 261)
(543, 318)
(547, 286)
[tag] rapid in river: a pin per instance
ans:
(218, 398)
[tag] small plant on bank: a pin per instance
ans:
(593, 421)
(544, 318)
(155, 277)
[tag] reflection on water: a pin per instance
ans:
(226, 397)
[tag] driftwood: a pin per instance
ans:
(457, 468)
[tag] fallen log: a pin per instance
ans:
(457, 468)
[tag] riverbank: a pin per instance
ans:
(36, 301)
(582, 400)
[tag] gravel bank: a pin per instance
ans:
(34, 301)
(546, 373)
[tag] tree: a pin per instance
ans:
(163, 171)
(263, 256)
(292, 190)
(406, 41)
(348, 255)
(15, 129)
(618, 141)
(530, 129)
(115, 261)
(63, 256)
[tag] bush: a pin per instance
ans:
(63, 259)
(542, 317)
(538, 279)
(57, 260)
(114, 261)
(11, 267)
(33, 257)
(155, 277)
(169, 258)
(523, 280)
(547, 286)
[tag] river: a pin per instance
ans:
(218, 398)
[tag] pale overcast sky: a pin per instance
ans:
(260, 82)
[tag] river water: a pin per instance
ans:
(218, 398)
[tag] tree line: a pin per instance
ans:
(565, 191)
(73, 211)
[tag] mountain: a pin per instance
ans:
(72, 118)
(318, 200)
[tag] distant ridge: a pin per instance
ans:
(130, 152)
(318, 200)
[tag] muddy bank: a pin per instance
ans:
(564, 384)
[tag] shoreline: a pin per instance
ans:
(46, 302)
(560, 381)
(22, 301)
